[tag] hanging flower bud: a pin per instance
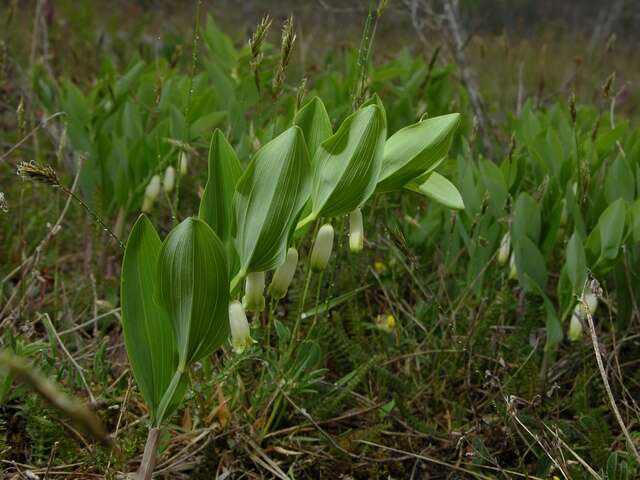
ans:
(356, 231)
(505, 249)
(283, 275)
(169, 180)
(513, 270)
(322, 248)
(184, 163)
(254, 292)
(575, 326)
(151, 193)
(591, 301)
(240, 331)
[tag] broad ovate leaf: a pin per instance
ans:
(193, 287)
(440, 189)
(147, 330)
(216, 205)
(611, 226)
(414, 150)
(314, 122)
(268, 199)
(576, 264)
(347, 164)
(530, 264)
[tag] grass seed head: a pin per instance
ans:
(35, 172)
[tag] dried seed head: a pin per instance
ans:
(610, 43)
(4, 207)
(38, 173)
(607, 88)
(288, 39)
(21, 118)
(302, 91)
(572, 108)
(257, 40)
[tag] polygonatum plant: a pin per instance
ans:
(176, 293)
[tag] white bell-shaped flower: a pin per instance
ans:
(240, 330)
(283, 275)
(322, 248)
(356, 231)
(169, 180)
(151, 193)
(254, 292)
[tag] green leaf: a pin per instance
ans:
(347, 164)
(611, 226)
(576, 263)
(193, 286)
(269, 196)
(123, 85)
(415, 150)
(216, 205)
(526, 221)
(620, 181)
(530, 264)
(206, 123)
(439, 189)
(496, 185)
(147, 330)
(552, 323)
(376, 100)
(314, 122)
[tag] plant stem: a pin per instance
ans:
(315, 308)
(93, 214)
(306, 220)
(236, 280)
(273, 304)
(148, 463)
(296, 327)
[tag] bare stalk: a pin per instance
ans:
(148, 463)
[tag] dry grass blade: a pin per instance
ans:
(71, 407)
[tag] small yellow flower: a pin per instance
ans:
(391, 322)
(386, 323)
(379, 266)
